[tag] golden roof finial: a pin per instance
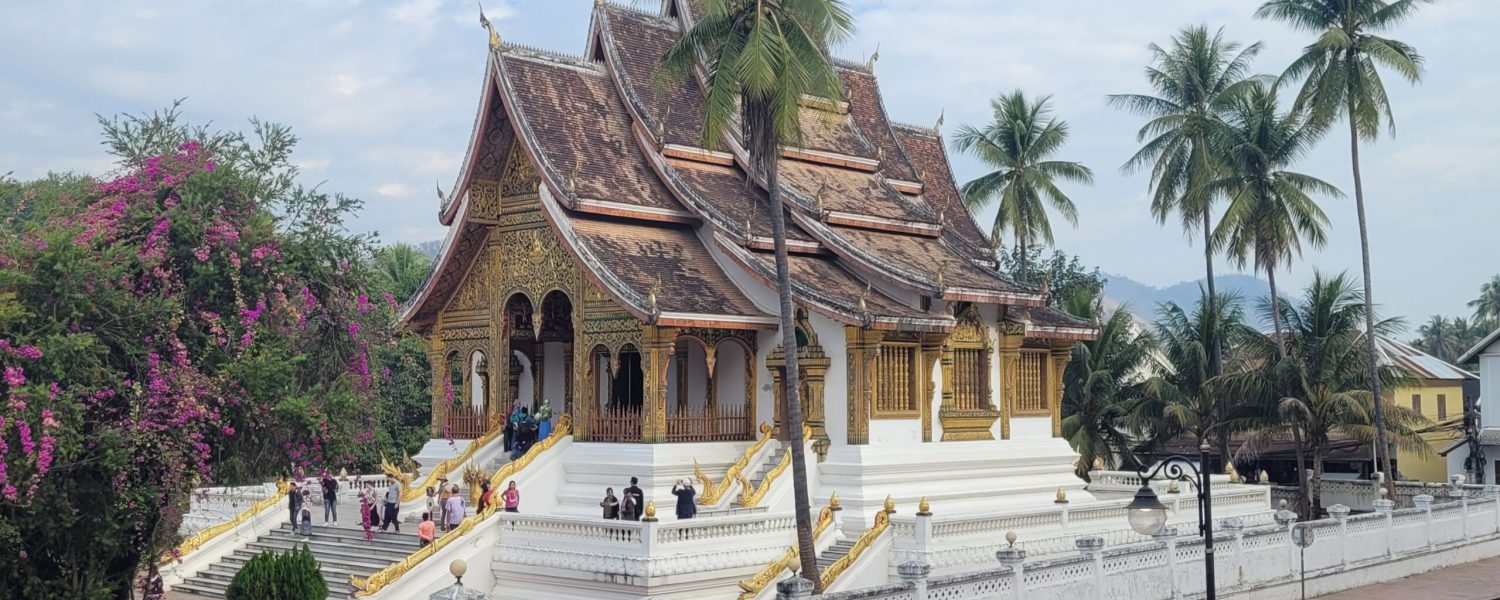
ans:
(870, 64)
(1045, 286)
(939, 125)
(650, 510)
(833, 501)
(923, 508)
(1234, 475)
(942, 268)
(485, 22)
(1265, 478)
(863, 306)
(651, 297)
(890, 505)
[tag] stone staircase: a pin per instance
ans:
(340, 551)
(838, 550)
(772, 459)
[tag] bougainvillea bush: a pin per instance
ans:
(194, 319)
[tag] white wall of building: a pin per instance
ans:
(525, 387)
(554, 375)
(729, 374)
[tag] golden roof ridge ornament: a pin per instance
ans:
(651, 299)
(870, 64)
(938, 126)
(864, 308)
(485, 22)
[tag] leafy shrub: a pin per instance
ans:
(271, 575)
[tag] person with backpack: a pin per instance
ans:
(633, 503)
(305, 527)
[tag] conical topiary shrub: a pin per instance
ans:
(271, 575)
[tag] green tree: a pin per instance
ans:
(1193, 83)
(290, 575)
(1064, 273)
(1271, 209)
(401, 268)
(1442, 337)
(1019, 144)
(758, 60)
(1179, 399)
(1487, 305)
(1314, 384)
(1341, 78)
(1101, 384)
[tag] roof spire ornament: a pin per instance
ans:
(864, 308)
(485, 22)
(942, 268)
(938, 127)
(651, 298)
(1045, 286)
(870, 64)
(442, 198)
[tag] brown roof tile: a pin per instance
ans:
(868, 112)
(641, 254)
(734, 195)
(854, 192)
(577, 121)
(938, 188)
(921, 259)
(639, 41)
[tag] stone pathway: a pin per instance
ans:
(1473, 581)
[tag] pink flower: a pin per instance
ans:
(15, 376)
(353, 329)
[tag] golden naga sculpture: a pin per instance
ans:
(750, 588)
(890, 505)
(750, 498)
(473, 477)
(395, 473)
(712, 493)
(867, 539)
(374, 583)
(440, 472)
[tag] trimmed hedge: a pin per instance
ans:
(271, 575)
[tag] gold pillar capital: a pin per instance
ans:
(863, 347)
(658, 344)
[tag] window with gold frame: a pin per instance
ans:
(971, 363)
(1031, 389)
(897, 385)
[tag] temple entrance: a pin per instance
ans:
(620, 390)
(707, 392)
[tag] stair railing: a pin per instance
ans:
(752, 587)
(409, 494)
(867, 539)
(713, 493)
(197, 540)
(751, 497)
(375, 582)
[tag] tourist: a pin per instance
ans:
(306, 528)
(373, 499)
(484, 496)
(610, 504)
(330, 499)
(511, 498)
(684, 491)
(454, 507)
(544, 420)
(426, 530)
(293, 502)
(154, 587)
(434, 506)
(635, 501)
(392, 504)
(443, 496)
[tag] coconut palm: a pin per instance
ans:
(1179, 398)
(1193, 82)
(1317, 376)
(758, 59)
(1442, 337)
(1340, 78)
(1101, 383)
(1019, 144)
(401, 268)
(1487, 305)
(1271, 210)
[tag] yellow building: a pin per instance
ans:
(1436, 390)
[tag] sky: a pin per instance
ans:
(383, 97)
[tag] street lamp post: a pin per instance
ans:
(1147, 515)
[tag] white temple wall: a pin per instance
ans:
(836, 380)
(990, 315)
(765, 395)
(697, 377)
(936, 402)
(729, 375)
(524, 389)
(554, 376)
(1030, 428)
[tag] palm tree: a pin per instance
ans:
(401, 268)
(1317, 376)
(1018, 144)
(1194, 82)
(1100, 384)
(1341, 80)
(1487, 305)
(758, 60)
(1179, 398)
(1442, 338)
(1271, 209)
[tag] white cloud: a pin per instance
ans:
(393, 190)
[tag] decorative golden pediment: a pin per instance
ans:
(474, 292)
(970, 328)
(519, 178)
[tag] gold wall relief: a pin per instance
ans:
(932, 357)
(658, 344)
(969, 408)
(812, 369)
(474, 292)
(519, 178)
(484, 200)
(1058, 360)
(1033, 395)
(863, 351)
(437, 359)
(1011, 335)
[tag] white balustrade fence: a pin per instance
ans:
(1346, 552)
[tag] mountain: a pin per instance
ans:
(1143, 299)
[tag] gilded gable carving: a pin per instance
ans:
(484, 197)
(474, 292)
(519, 178)
(534, 263)
(970, 328)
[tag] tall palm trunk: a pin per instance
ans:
(1315, 486)
(1025, 264)
(764, 147)
(1215, 347)
(1275, 311)
(1382, 446)
(1304, 498)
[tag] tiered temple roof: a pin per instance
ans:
(673, 229)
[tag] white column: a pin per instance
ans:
(915, 573)
(1385, 506)
(1236, 526)
(1093, 547)
(1014, 558)
(795, 588)
(1424, 502)
(924, 535)
(1168, 537)
(1341, 513)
